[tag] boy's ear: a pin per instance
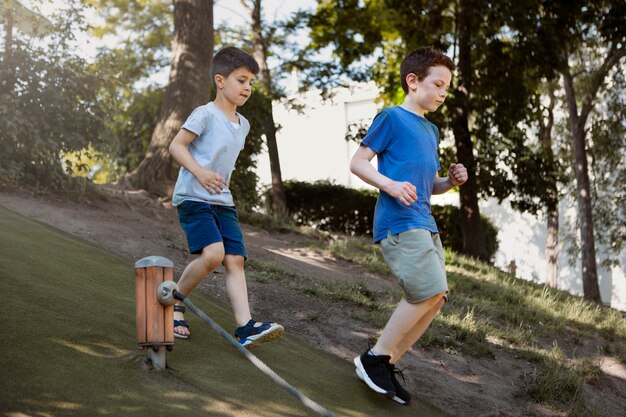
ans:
(219, 81)
(411, 81)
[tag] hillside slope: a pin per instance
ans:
(313, 294)
(69, 348)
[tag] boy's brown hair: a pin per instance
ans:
(420, 60)
(228, 59)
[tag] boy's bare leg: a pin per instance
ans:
(237, 288)
(404, 318)
(417, 331)
(195, 272)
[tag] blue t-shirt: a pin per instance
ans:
(216, 148)
(406, 147)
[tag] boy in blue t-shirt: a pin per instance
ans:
(207, 147)
(405, 144)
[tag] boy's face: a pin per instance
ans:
(237, 87)
(430, 93)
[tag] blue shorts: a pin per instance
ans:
(205, 224)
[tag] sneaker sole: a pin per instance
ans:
(360, 371)
(270, 334)
(395, 397)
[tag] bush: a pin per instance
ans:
(329, 207)
(335, 208)
(449, 223)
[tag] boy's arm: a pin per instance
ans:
(211, 181)
(457, 175)
(361, 166)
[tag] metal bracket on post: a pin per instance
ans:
(155, 321)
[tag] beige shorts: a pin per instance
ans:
(417, 259)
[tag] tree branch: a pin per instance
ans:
(246, 6)
(615, 54)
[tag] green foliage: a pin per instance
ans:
(584, 38)
(332, 207)
(607, 148)
(132, 123)
(52, 108)
(503, 78)
(142, 31)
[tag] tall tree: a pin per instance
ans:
(578, 120)
(473, 234)
(260, 44)
(189, 86)
(599, 29)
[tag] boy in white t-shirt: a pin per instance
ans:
(207, 147)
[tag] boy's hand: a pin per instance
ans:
(211, 181)
(457, 174)
(403, 191)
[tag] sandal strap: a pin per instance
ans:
(182, 323)
(179, 308)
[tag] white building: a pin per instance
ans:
(312, 147)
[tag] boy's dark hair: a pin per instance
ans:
(229, 58)
(420, 60)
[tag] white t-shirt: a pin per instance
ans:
(216, 148)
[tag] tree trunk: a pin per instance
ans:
(473, 235)
(552, 198)
(577, 125)
(189, 86)
(7, 82)
(552, 248)
(279, 199)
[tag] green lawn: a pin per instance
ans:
(68, 348)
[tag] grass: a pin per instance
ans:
(494, 304)
(68, 328)
(558, 381)
(376, 305)
(490, 310)
(353, 249)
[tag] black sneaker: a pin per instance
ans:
(252, 334)
(374, 371)
(402, 396)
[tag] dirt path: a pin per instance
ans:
(134, 225)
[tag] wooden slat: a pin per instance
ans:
(140, 298)
(152, 333)
(169, 311)
(159, 311)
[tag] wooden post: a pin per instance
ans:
(155, 322)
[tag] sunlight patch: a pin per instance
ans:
(99, 350)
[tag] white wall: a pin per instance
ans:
(311, 144)
(312, 147)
